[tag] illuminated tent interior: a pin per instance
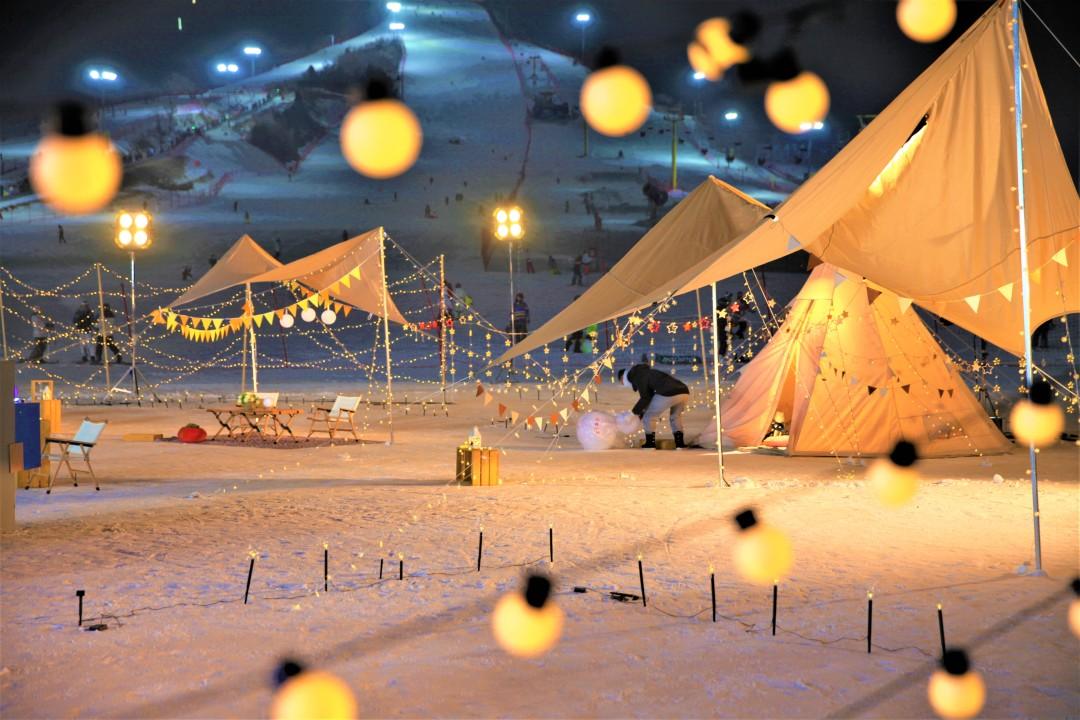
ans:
(854, 370)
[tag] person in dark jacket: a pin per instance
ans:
(659, 392)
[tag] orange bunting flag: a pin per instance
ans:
(487, 399)
(575, 404)
(347, 309)
(502, 410)
(479, 389)
(554, 418)
(156, 315)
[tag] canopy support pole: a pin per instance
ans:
(101, 329)
(3, 325)
(386, 336)
(251, 334)
(442, 328)
(1025, 286)
(716, 389)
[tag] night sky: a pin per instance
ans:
(855, 46)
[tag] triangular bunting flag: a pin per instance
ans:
(355, 272)
(488, 399)
(575, 404)
(792, 243)
(346, 281)
(217, 323)
(950, 391)
(872, 294)
(1036, 276)
(906, 388)
(870, 389)
(268, 317)
(502, 409)
(940, 393)
(1060, 258)
(156, 315)
(1006, 291)
(514, 415)
(554, 418)
(205, 322)
(258, 320)
(973, 302)
(564, 413)
(335, 288)
(479, 389)
(904, 304)
(347, 309)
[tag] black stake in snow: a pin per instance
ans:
(869, 618)
(712, 587)
(774, 594)
(551, 544)
(380, 568)
(480, 551)
(941, 628)
(326, 569)
(401, 569)
(641, 577)
(247, 588)
(79, 594)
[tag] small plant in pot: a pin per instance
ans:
(191, 433)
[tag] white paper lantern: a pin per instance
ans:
(627, 422)
(309, 314)
(329, 316)
(287, 320)
(597, 431)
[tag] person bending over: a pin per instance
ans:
(659, 392)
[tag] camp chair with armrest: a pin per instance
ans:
(75, 449)
(334, 419)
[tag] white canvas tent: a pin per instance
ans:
(853, 371)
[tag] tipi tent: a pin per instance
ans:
(853, 370)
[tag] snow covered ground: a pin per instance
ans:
(162, 552)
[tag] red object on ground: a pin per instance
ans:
(191, 434)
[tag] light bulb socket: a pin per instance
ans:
(1075, 585)
(1040, 393)
(744, 27)
(746, 520)
(955, 662)
(784, 65)
(376, 90)
(904, 454)
(607, 57)
(71, 119)
(286, 669)
(537, 591)
(82, 593)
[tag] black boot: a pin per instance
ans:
(679, 440)
(650, 440)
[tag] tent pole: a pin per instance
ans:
(701, 340)
(386, 336)
(1025, 287)
(3, 325)
(251, 334)
(442, 327)
(716, 389)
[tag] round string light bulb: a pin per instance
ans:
(74, 170)
(714, 36)
(795, 105)
(762, 553)
(329, 317)
(528, 624)
(701, 61)
(615, 99)
(894, 477)
(955, 690)
(1037, 420)
(926, 21)
(303, 695)
(308, 314)
(381, 137)
(286, 321)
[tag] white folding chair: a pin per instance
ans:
(75, 449)
(334, 419)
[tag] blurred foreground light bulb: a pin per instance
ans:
(795, 105)
(309, 314)
(615, 99)
(715, 37)
(329, 317)
(1037, 420)
(309, 694)
(926, 21)
(894, 478)
(762, 553)
(955, 690)
(381, 137)
(74, 170)
(528, 624)
(286, 320)
(1074, 608)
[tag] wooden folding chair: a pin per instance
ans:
(75, 449)
(339, 418)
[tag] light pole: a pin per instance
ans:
(253, 52)
(101, 78)
(583, 19)
(807, 127)
(134, 231)
(510, 226)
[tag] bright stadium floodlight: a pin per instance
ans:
(393, 7)
(95, 74)
(583, 18)
(233, 67)
(731, 116)
(109, 75)
(698, 76)
(397, 26)
(252, 50)
(222, 67)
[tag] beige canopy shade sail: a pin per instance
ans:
(699, 228)
(330, 272)
(243, 260)
(853, 371)
(933, 215)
